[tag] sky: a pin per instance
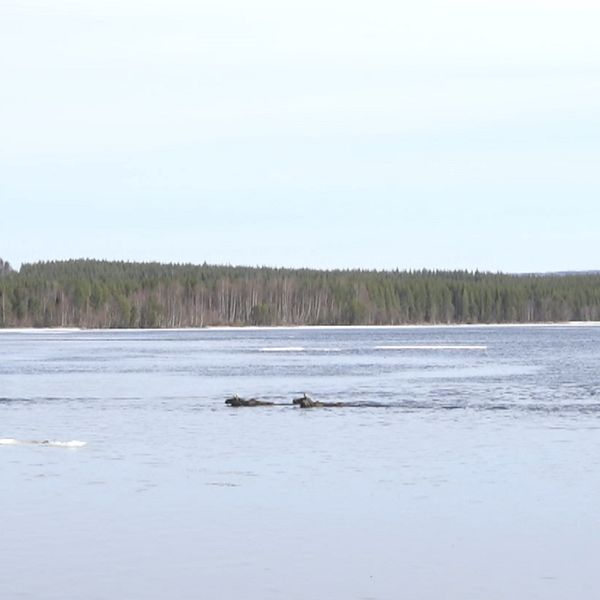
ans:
(328, 134)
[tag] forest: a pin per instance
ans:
(112, 294)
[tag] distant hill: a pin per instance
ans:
(92, 293)
(570, 273)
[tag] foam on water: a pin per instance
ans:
(53, 443)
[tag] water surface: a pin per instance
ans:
(479, 478)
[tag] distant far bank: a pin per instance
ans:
(90, 294)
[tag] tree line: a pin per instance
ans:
(112, 294)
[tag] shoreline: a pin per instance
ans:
(299, 327)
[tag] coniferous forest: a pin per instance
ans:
(103, 294)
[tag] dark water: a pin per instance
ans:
(479, 478)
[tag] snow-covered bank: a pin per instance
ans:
(58, 330)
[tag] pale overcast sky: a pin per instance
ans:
(381, 134)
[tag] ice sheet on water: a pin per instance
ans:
(432, 347)
(52, 443)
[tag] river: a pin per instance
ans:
(124, 475)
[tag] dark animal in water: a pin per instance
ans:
(302, 402)
(307, 402)
(235, 400)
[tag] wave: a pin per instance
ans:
(53, 443)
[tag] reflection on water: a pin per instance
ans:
(476, 477)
